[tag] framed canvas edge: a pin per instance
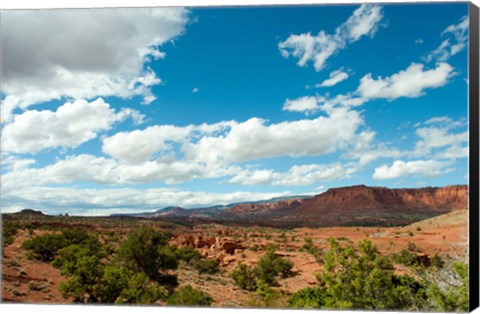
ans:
(474, 218)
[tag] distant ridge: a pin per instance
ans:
(358, 205)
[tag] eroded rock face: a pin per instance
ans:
(230, 247)
(350, 198)
(349, 203)
(211, 245)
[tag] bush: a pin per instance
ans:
(449, 289)
(363, 280)
(244, 277)
(189, 296)
(141, 290)
(188, 254)
(265, 296)
(309, 298)
(406, 258)
(271, 266)
(437, 261)
(9, 230)
(206, 266)
(45, 247)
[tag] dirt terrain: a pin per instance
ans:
(30, 281)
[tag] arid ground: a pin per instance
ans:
(27, 280)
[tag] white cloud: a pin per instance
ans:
(318, 48)
(14, 163)
(335, 78)
(363, 22)
(407, 83)
(69, 126)
(254, 177)
(457, 41)
(141, 145)
(195, 90)
(104, 53)
(107, 201)
(298, 175)
(439, 133)
(307, 104)
(417, 168)
(101, 170)
(255, 139)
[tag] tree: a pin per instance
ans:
(85, 274)
(146, 251)
(187, 295)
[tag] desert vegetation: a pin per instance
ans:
(141, 261)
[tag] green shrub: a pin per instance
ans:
(271, 266)
(9, 230)
(309, 298)
(360, 279)
(437, 261)
(449, 289)
(141, 290)
(189, 296)
(45, 247)
(188, 254)
(406, 258)
(244, 277)
(206, 266)
(265, 296)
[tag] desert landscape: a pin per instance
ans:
(435, 236)
(307, 156)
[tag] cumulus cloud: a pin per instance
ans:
(318, 48)
(335, 78)
(89, 168)
(256, 139)
(457, 41)
(141, 145)
(96, 202)
(69, 126)
(442, 132)
(423, 168)
(307, 104)
(407, 83)
(298, 175)
(104, 54)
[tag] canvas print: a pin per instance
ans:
(301, 157)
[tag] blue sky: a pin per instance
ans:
(138, 109)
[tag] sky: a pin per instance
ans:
(130, 110)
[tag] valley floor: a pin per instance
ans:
(30, 281)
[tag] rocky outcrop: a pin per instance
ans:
(375, 204)
(211, 245)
